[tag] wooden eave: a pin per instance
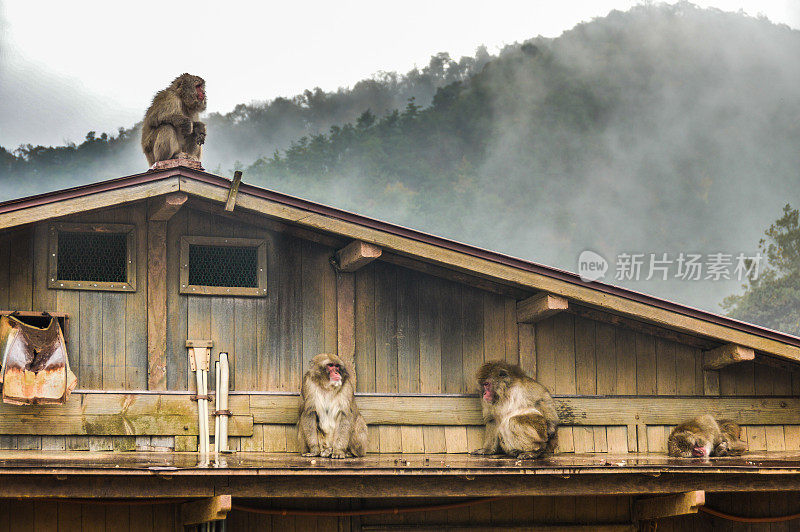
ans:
(401, 241)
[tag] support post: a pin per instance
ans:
(345, 315)
(159, 210)
(157, 305)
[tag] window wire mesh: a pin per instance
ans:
(234, 266)
(97, 257)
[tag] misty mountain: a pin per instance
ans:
(240, 137)
(664, 129)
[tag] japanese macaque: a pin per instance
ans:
(704, 436)
(330, 423)
(171, 128)
(520, 414)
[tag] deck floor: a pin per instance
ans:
(288, 463)
(49, 474)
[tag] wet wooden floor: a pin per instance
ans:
(251, 462)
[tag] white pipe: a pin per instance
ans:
(202, 405)
(216, 417)
(222, 395)
(206, 438)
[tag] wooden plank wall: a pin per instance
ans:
(575, 355)
(268, 339)
(107, 334)
(414, 333)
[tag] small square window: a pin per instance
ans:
(223, 266)
(92, 257)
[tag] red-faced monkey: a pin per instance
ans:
(704, 436)
(520, 414)
(171, 128)
(330, 423)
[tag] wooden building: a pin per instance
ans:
(417, 315)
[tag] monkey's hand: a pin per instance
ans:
(326, 452)
(314, 451)
(181, 123)
(529, 456)
(721, 449)
(199, 133)
(338, 453)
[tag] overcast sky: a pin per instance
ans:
(106, 59)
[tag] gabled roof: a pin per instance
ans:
(404, 241)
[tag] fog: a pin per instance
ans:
(659, 130)
(698, 152)
(40, 106)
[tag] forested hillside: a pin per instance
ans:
(240, 137)
(663, 129)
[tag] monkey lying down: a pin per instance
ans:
(520, 414)
(330, 423)
(705, 436)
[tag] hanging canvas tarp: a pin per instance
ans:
(35, 365)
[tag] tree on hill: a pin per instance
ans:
(773, 298)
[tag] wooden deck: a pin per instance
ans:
(248, 474)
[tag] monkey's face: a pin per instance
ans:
(192, 90)
(495, 385)
(331, 371)
(334, 373)
(495, 378)
(200, 90)
(693, 445)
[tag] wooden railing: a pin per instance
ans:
(165, 414)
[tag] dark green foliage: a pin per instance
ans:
(773, 298)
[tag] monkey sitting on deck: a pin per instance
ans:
(330, 423)
(520, 414)
(704, 436)
(171, 128)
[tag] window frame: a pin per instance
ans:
(246, 291)
(55, 283)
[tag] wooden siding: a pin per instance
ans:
(414, 333)
(268, 339)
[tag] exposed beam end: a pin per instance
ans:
(668, 505)
(162, 208)
(357, 254)
(726, 355)
(539, 307)
(205, 510)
